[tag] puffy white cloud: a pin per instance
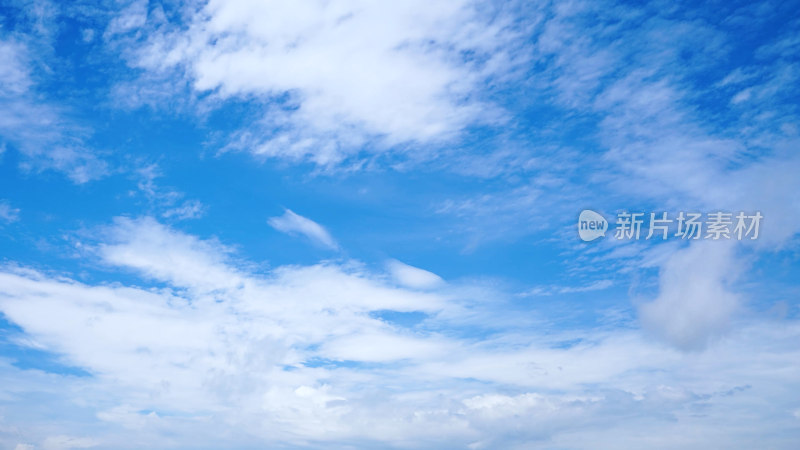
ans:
(696, 301)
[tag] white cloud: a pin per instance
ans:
(663, 149)
(385, 347)
(87, 35)
(64, 442)
(292, 223)
(168, 201)
(336, 76)
(696, 301)
(38, 129)
(14, 75)
(220, 356)
(413, 277)
(7, 213)
(183, 260)
(130, 18)
(190, 209)
(554, 289)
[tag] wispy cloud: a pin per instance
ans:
(169, 202)
(293, 223)
(658, 144)
(36, 128)
(547, 290)
(338, 77)
(190, 209)
(7, 213)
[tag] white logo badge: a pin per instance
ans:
(591, 225)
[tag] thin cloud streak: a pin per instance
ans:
(293, 224)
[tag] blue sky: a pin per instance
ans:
(353, 224)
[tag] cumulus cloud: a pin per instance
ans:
(293, 223)
(696, 301)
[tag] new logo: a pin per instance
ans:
(591, 225)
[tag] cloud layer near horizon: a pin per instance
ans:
(307, 354)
